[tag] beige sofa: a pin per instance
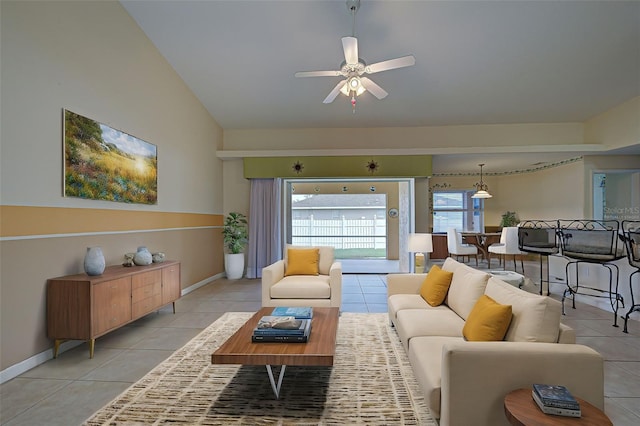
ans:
(322, 290)
(465, 382)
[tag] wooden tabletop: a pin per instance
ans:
(522, 410)
(318, 351)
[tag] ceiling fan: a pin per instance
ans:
(353, 68)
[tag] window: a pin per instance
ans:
(456, 209)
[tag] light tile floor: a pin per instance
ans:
(67, 390)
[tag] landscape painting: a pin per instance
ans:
(102, 163)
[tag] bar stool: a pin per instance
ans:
(539, 237)
(631, 233)
(594, 242)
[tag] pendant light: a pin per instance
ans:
(482, 190)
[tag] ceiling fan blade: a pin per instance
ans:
(375, 90)
(318, 73)
(405, 61)
(350, 47)
(334, 92)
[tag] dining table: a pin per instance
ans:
(482, 240)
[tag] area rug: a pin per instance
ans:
(370, 383)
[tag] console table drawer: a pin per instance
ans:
(144, 306)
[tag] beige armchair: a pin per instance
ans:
(322, 290)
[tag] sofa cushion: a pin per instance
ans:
(439, 321)
(467, 285)
(302, 261)
(302, 287)
(398, 302)
(425, 356)
(535, 318)
(488, 321)
(436, 285)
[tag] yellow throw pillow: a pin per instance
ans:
(487, 321)
(302, 261)
(436, 285)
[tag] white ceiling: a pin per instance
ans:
(477, 62)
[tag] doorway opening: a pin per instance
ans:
(367, 221)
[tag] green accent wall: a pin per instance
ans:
(343, 166)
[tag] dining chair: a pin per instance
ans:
(457, 248)
(508, 246)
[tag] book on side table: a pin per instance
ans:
(555, 399)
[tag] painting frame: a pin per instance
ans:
(103, 163)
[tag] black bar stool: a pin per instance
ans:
(631, 232)
(595, 242)
(539, 237)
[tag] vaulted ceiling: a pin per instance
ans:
(477, 62)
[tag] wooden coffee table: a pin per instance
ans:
(521, 410)
(318, 351)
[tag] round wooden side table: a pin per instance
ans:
(522, 410)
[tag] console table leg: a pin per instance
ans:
(56, 347)
(92, 345)
(276, 388)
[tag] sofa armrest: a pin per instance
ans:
(476, 376)
(404, 283)
(566, 334)
(335, 281)
(270, 275)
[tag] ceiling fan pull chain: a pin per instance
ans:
(353, 103)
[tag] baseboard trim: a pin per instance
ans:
(22, 367)
(204, 282)
(17, 369)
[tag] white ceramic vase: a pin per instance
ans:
(94, 261)
(143, 256)
(234, 265)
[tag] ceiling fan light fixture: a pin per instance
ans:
(353, 84)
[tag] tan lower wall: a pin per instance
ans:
(28, 263)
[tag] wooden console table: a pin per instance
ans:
(83, 307)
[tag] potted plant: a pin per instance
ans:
(235, 235)
(509, 219)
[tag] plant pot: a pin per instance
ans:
(234, 265)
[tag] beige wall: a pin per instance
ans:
(91, 58)
(449, 138)
(552, 193)
(616, 128)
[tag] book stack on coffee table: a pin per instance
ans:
(556, 400)
(300, 312)
(285, 329)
